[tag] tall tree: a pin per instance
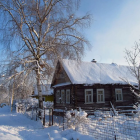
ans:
(132, 57)
(41, 32)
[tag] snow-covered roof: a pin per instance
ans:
(62, 84)
(45, 89)
(97, 73)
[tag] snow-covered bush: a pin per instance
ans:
(137, 110)
(30, 106)
(47, 104)
(23, 105)
(75, 118)
(33, 102)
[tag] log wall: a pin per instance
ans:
(60, 75)
(77, 97)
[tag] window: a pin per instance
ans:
(62, 96)
(119, 96)
(43, 98)
(68, 96)
(57, 96)
(88, 95)
(100, 96)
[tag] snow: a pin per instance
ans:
(62, 84)
(45, 89)
(97, 73)
(15, 126)
(74, 118)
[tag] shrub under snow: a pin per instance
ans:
(75, 118)
(137, 110)
(23, 105)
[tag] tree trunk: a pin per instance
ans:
(39, 90)
(12, 96)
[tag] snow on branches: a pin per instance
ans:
(31, 103)
(75, 118)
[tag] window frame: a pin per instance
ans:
(57, 96)
(67, 95)
(103, 96)
(117, 93)
(91, 96)
(64, 97)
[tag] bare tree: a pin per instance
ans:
(3, 95)
(133, 60)
(41, 32)
(17, 86)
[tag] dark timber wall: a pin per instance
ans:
(64, 105)
(78, 97)
(80, 93)
(60, 76)
(109, 92)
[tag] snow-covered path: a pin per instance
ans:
(15, 126)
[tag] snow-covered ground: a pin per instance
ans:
(14, 126)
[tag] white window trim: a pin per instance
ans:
(67, 95)
(91, 96)
(58, 101)
(103, 96)
(116, 94)
(61, 96)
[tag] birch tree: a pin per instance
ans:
(133, 59)
(41, 32)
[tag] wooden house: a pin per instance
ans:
(92, 85)
(47, 93)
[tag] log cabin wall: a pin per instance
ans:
(77, 97)
(60, 75)
(64, 104)
(92, 106)
(109, 96)
(128, 96)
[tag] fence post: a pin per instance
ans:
(63, 119)
(52, 116)
(32, 113)
(49, 117)
(44, 118)
(36, 113)
(115, 137)
(17, 108)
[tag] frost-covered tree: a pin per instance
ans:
(3, 95)
(41, 32)
(133, 59)
(19, 86)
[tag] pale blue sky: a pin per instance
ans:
(115, 26)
